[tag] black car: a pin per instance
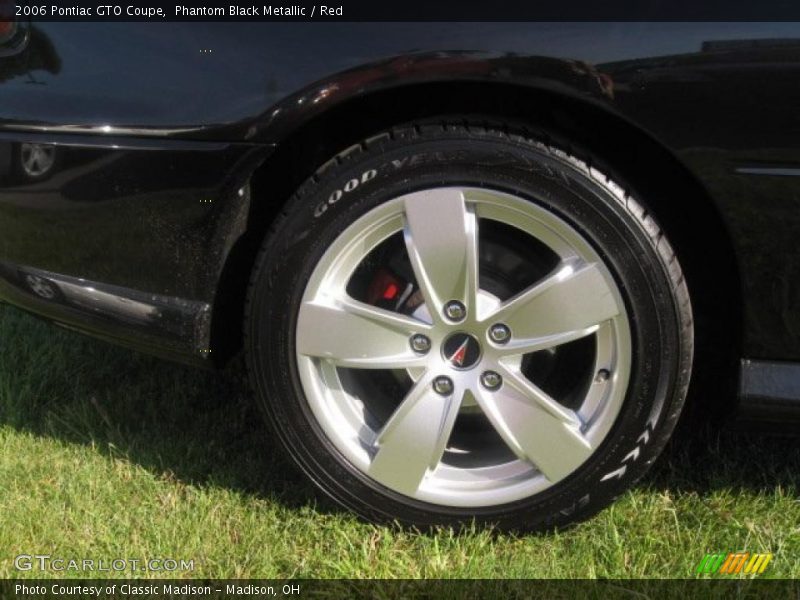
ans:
(474, 268)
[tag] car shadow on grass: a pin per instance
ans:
(203, 428)
(706, 457)
(199, 427)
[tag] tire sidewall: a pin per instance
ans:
(365, 178)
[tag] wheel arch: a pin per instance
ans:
(678, 199)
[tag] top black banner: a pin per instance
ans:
(406, 10)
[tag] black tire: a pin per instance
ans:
(611, 218)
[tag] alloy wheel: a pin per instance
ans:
(504, 375)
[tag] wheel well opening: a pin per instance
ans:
(678, 200)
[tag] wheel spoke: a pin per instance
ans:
(526, 345)
(567, 305)
(441, 236)
(415, 436)
(356, 335)
(535, 426)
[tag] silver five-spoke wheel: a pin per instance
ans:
(437, 396)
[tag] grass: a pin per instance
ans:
(106, 453)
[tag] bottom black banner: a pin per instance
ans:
(601, 589)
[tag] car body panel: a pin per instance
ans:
(121, 224)
(162, 124)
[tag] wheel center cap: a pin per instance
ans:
(461, 351)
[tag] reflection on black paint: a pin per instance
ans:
(160, 321)
(713, 94)
(36, 53)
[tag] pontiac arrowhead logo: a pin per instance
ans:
(459, 355)
(461, 350)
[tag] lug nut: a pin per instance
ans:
(455, 310)
(443, 385)
(420, 343)
(602, 375)
(499, 333)
(491, 380)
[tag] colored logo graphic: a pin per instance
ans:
(734, 563)
(462, 351)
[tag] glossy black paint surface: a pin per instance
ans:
(130, 234)
(163, 325)
(152, 120)
(769, 396)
